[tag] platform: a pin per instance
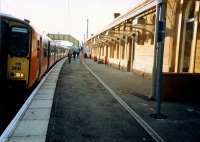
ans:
(85, 110)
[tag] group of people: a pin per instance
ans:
(73, 53)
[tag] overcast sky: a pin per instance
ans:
(67, 16)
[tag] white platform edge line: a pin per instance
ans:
(144, 124)
(12, 125)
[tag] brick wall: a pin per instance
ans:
(143, 58)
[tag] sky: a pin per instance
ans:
(67, 16)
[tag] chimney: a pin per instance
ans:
(116, 15)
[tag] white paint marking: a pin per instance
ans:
(144, 124)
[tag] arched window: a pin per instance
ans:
(188, 36)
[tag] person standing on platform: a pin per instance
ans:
(78, 52)
(69, 55)
(81, 56)
(74, 54)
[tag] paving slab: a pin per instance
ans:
(31, 128)
(37, 114)
(44, 97)
(41, 104)
(28, 139)
(45, 92)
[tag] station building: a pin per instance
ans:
(128, 43)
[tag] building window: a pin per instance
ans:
(188, 37)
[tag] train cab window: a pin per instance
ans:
(19, 41)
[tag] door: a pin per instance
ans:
(48, 55)
(5, 30)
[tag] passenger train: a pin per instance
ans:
(25, 54)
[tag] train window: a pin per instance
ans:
(19, 30)
(19, 41)
(56, 50)
(46, 49)
(52, 51)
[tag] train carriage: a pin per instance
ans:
(16, 42)
(25, 54)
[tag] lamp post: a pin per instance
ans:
(157, 74)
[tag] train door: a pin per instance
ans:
(55, 53)
(5, 30)
(40, 54)
(48, 55)
(39, 42)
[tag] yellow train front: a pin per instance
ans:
(28, 55)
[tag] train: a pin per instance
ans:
(25, 53)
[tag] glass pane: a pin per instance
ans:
(19, 41)
(192, 9)
(188, 45)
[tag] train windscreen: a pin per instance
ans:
(19, 41)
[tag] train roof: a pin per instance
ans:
(5, 15)
(24, 21)
(15, 18)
